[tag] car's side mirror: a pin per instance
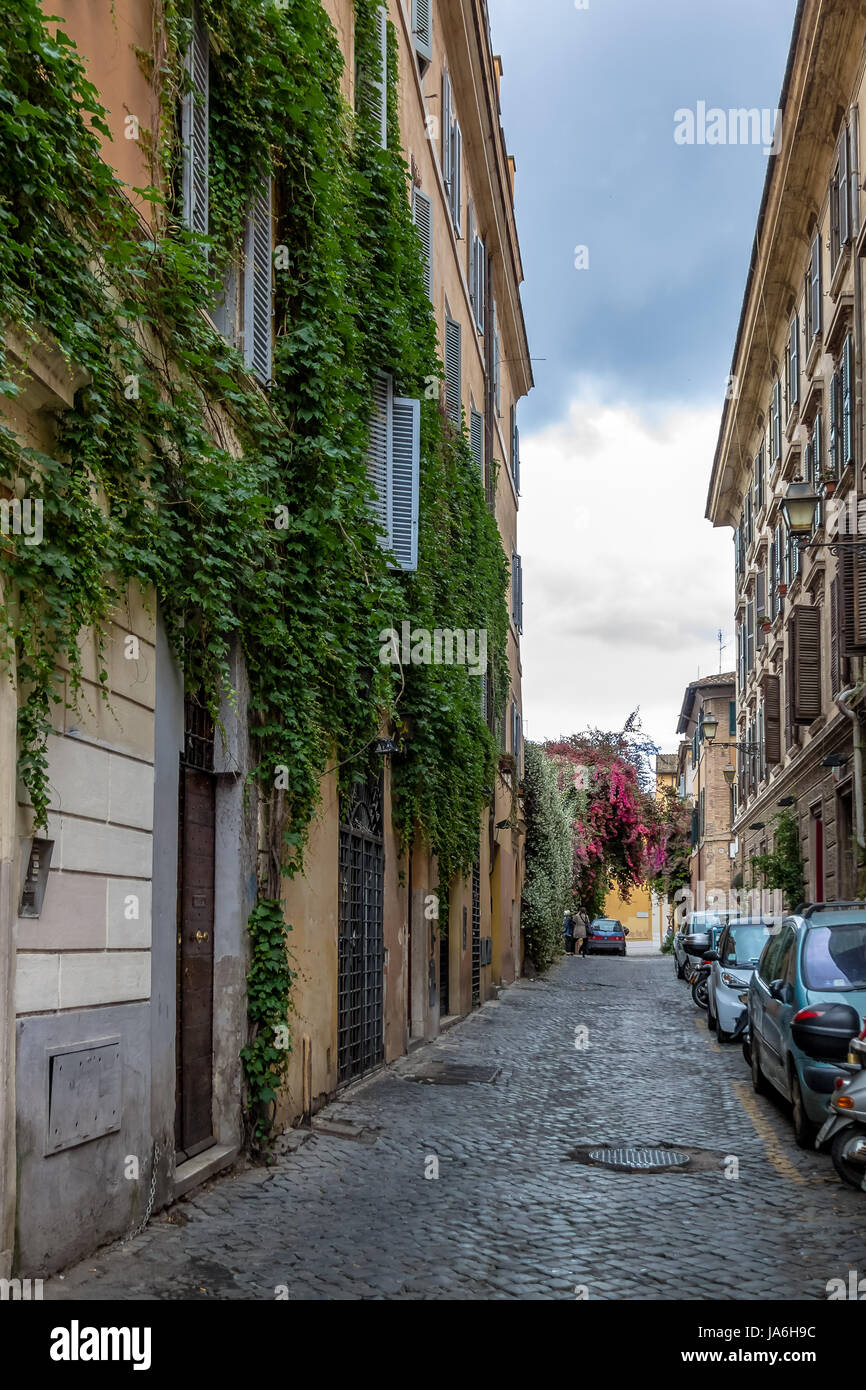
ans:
(779, 990)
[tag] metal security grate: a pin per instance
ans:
(360, 1041)
(198, 735)
(639, 1160)
(476, 935)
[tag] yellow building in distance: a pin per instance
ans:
(643, 912)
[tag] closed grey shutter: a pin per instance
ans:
(817, 459)
(760, 595)
(405, 474)
(480, 282)
(835, 646)
(496, 361)
(515, 450)
(422, 28)
(794, 389)
(519, 596)
(445, 132)
(750, 634)
(456, 174)
(380, 453)
(476, 439)
(834, 425)
(379, 80)
(845, 378)
(815, 286)
(471, 263)
(844, 194)
(856, 604)
(806, 640)
(777, 421)
(194, 130)
(774, 597)
(453, 371)
(257, 285)
(422, 216)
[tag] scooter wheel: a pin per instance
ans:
(850, 1173)
(700, 996)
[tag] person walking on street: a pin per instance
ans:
(579, 928)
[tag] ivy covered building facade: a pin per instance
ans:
(794, 417)
(261, 821)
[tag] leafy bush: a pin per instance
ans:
(547, 886)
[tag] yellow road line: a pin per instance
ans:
(766, 1134)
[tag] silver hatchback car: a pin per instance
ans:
(736, 956)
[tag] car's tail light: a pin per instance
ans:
(838, 1083)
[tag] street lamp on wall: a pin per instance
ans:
(798, 508)
(710, 726)
(729, 775)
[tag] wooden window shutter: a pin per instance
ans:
(445, 132)
(854, 570)
(807, 308)
(806, 641)
(770, 690)
(846, 374)
(815, 286)
(794, 388)
(422, 28)
(476, 439)
(834, 425)
(405, 476)
(380, 453)
(471, 260)
(379, 80)
(777, 421)
(258, 282)
(453, 371)
(195, 122)
(456, 175)
(835, 646)
(422, 216)
(844, 195)
(496, 362)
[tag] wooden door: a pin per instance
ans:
(195, 954)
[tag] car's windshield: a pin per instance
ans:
(744, 945)
(835, 957)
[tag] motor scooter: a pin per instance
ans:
(698, 981)
(845, 1125)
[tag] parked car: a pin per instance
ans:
(696, 924)
(607, 935)
(807, 998)
(735, 957)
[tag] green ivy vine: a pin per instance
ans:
(170, 467)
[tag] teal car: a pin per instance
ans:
(805, 998)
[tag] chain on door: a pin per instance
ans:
(361, 964)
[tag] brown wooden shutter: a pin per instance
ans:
(854, 591)
(806, 635)
(835, 654)
(772, 718)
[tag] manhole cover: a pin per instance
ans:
(639, 1160)
(454, 1074)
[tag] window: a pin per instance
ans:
(477, 272)
(776, 417)
(516, 736)
(453, 372)
(496, 379)
(456, 187)
(812, 290)
(732, 718)
(476, 439)
(422, 216)
(750, 634)
(702, 813)
(243, 312)
(515, 449)
(377, 86)
(517, 590)
(422, 31)
(840, 199)
(794, 363)
(841, 412)
(195, 129)
(770, 690)
(758, 483)
(445, 132)
(804, 655)
(394, 465)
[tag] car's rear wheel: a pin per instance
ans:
(804, 1130)
(759, 1082)
(850, 1173)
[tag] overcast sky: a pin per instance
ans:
(626, 585)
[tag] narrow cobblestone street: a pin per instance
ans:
(512, 1214)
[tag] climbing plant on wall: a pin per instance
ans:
(246, 512)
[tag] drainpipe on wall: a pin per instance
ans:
(844, 706)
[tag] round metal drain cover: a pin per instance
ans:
(639, 1160)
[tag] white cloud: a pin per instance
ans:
(625, 583)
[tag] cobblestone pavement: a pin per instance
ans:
(512, 1215)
